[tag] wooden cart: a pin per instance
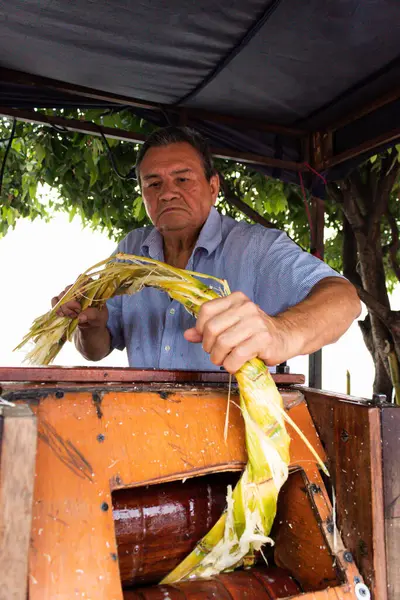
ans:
(109, 477)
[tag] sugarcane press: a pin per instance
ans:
(108, 478)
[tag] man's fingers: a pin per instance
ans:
(219, 305)
(93, 317)
(192, 335)
(245, 351)
(231, 338)
(69, 309)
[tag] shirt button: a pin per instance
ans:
(167, 348)
(172, 311)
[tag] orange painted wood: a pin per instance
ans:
(297, 533)
(146, 437)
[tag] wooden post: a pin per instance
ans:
(318, 215)
(391, 496)
(18, 436)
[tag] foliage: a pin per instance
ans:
(79, 168)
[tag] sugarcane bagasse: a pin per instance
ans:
(284, 301)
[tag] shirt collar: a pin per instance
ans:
(210, 237)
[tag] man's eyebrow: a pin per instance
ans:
(180, 171)
(176, 172)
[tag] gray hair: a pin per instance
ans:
(174, 135)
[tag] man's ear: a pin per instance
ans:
(214, 186)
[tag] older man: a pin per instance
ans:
(285, 302)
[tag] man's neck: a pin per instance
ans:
(178, 247)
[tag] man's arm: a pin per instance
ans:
(234, 329)
(92, 338)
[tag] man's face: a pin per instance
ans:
(176, 193)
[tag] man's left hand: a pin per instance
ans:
(234, 330)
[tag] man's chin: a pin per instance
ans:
(170, 224)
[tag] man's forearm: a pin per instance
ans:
(322, 317)
(93, 343)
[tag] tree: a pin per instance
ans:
(362, 212)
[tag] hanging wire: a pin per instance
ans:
(131, 175)
(10, 141)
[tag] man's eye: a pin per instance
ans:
(183, 179)
(154, 184)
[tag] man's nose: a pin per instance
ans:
(168, 191)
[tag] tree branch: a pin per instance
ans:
(361, 192)
(394, 245)
(235, 201)
(350, 207)
(382, 312)
(389, 172)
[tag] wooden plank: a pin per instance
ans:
(350, 431)
(17, 464)
(117, 374)
(89, 128)
(391, 495)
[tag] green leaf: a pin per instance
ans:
(138, 209)
(40, 153)
(32, 190)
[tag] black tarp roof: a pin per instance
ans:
(298, 63)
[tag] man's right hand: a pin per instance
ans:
(90, 318)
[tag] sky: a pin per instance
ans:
(39, 259)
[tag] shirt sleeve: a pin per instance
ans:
(285, 274)
(114, 323)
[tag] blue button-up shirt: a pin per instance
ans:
(263, 263)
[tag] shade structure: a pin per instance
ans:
(324, 66)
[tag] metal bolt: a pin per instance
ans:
(344, 436)
(104, 506)
(100, 437)
(283, 369)
(314, 488)
(330, 528)
(113, 556)
(59, 394)
(379, 399)
(348, 557)
(362, 592)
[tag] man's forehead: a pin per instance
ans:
(173, 158)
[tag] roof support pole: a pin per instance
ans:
(315, 359)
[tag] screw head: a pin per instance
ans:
(362, 592)
(104, 506)
(344, 436)
(59, 394)
(101, 437)
(348, 557)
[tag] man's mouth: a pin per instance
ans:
(169, 209)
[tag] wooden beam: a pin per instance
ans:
(368, 108)
(17, 470)
(372, 144)
(90, 128)
(117, 374)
